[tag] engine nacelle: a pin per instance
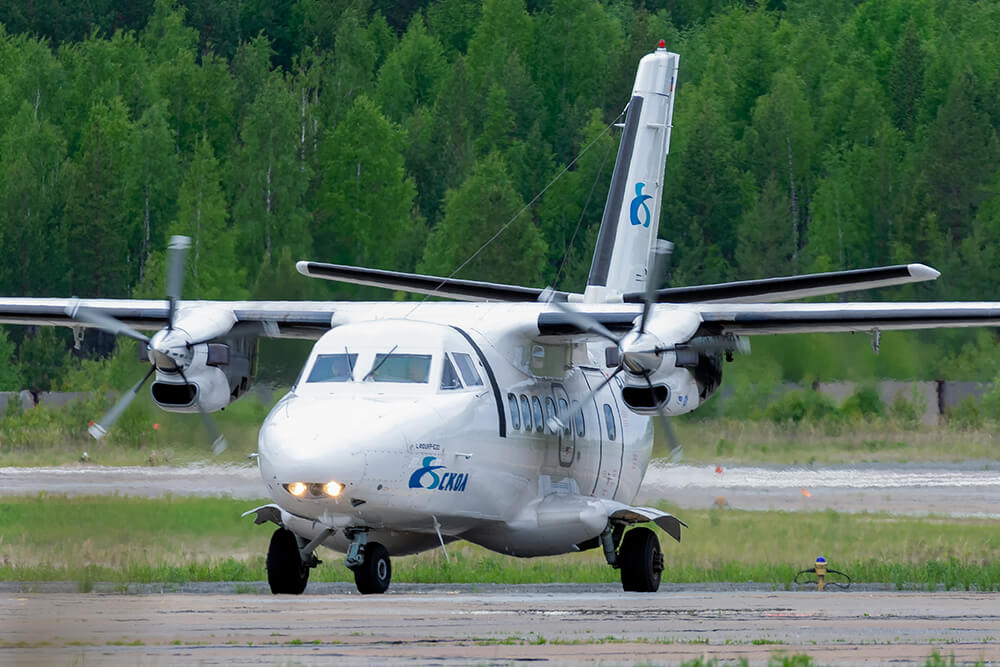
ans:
(676, 388)
(218, 374)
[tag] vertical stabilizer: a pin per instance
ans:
(632, 213)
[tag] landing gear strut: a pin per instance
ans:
(639, 557)
(370, 563)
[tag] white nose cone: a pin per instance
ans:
(316, 440)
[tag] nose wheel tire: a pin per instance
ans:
(641, 561)
(375, 573)
(286, 573)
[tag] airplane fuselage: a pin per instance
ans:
(462, 452)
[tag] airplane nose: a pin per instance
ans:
(311, 440)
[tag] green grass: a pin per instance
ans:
(145, 435)
(738, 441)
(176, 540)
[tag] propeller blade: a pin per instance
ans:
(99, 429)
(585, 322)
(659, 261)
(676, 452)
(219, 443)
(555, 423)
(176, 251)
(102, 321)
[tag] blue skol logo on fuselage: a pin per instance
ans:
(425, 477)
(639, 201)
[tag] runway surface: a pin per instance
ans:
(965, 489)
(460, 625)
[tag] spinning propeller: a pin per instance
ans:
(169, 350)
(640, 352)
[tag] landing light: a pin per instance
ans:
(314, 489)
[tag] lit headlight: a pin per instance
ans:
(314, 489)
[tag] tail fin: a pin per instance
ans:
(632, 213)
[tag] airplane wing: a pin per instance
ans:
(275, 319)
(784, 318)
(746, 320)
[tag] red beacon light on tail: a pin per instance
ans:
(662, 44)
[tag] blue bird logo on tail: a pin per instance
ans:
(637, 202)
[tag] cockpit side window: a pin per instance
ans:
(332, 368)
(449, 377)
(468, 369)
(394, 367)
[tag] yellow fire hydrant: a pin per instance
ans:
(820, 572)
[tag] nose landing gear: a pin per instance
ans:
(375, 572)
(639, 557)
(370, 563)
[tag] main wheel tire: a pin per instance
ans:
(375, 573)
(641, 561)
(286, 574)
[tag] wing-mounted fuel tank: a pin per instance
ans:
(211, 369)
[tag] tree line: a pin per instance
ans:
(807, 136)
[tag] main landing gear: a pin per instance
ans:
(638, 557)
(286, 572)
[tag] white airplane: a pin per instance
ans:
(522, 422)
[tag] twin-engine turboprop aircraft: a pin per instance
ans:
(522, 422)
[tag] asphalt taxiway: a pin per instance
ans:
(465, 625)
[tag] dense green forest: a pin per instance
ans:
(808, 135)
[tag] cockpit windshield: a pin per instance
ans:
(397, 367)
(333, 368)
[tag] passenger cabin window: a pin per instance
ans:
(536, 410)
(515, 417)
(562, 416)
(526, 412)
(332, 368)
(413, 368)
(468, 370)
(609, 421)
(449, 377)
(581, 427)
(550, 409)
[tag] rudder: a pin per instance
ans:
(632, 212)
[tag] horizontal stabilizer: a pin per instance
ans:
(787, 288)
(452, 288)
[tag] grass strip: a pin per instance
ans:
(181, 539)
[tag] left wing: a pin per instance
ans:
(785, 318)
(276, 319)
